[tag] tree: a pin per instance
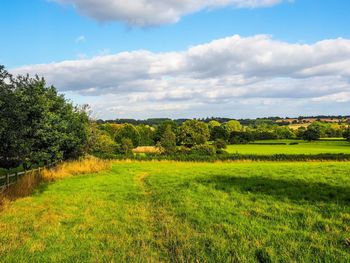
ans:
(232, 126)
(193, 132)
(162, 127)
(219, 132)
(127, 146)
(220, 144)
(312, 133)
(347, 133)
(213, 124)
(146, 135)
(128, 131)
(168, 141)
(38, 126)
(100, 141)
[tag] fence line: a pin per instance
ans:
(18, 175)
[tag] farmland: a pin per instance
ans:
(173, 211)
(270, 147)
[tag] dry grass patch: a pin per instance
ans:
(147, 149)
(85, 166)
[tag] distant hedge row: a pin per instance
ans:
(231, 157)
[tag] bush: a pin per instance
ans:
(220, 144)
(206, 150)
(127, 146)
(183, 150)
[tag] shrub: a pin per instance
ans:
(206, 150)
(220, 144)
(183, 150)
(126, 146)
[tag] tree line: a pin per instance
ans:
(38, 126)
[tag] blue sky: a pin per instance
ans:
(42, 32)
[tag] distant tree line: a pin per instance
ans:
(38, 126)
(195, 136)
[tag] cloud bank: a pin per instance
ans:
(234, 76)
(154, 12)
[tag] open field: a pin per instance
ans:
(169, 211)
(303, 147)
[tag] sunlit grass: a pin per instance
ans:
(185, 212)
(303, 147)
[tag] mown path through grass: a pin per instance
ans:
(185, 212)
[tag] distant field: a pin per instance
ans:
(303, 147)
(185, 212)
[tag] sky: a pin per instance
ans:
(185, 58)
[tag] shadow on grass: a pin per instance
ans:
(297, 190)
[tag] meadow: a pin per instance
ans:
(185, 212)
(270, 147)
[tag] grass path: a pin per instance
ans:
(185, 212)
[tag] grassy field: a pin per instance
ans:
(303, 147)
(185, 212)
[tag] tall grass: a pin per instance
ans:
(67, 169)
(26, 185)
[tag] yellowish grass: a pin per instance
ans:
(30, 181)
(84, 166)
(147, 149)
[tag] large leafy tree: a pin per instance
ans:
(193, 132)
(39, 126)
(233, 126)
(130, 132)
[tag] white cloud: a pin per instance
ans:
(155, 12)
(253, 75)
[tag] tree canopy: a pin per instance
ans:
(38, 126)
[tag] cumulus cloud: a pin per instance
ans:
(233, 74)
(154, 12)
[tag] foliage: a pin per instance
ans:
(233, 126)
(127, 146)
(346, 133)
(204, 150)
(38, 126)
(220, 144)
(219, 132)
(160, 129)
(213, 124)
(147, 134)
(193, 133)
(130, 132)
(241, 137)
(168, 140)
(101, 141)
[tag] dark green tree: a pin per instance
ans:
(39, 126)
(168, 141)
(193, 132)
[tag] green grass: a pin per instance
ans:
(304, 147)
(185, 212)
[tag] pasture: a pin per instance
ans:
(270, 147)
(185, 212)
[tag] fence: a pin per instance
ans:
(10, 179)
